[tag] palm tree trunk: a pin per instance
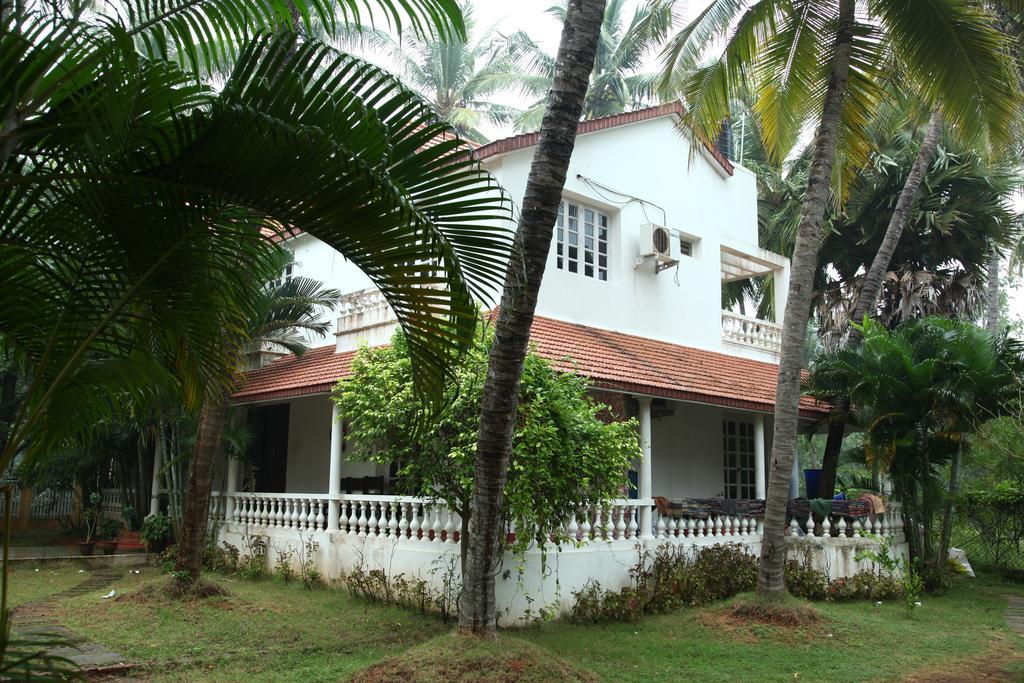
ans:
(992, 293)
(872, 285)
(798, 306)
(575, 61)
(192, 536)
(949, 514)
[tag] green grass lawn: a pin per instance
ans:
(271, 631)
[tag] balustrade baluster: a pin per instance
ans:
(826, 527)
(373, 521)
(620, 522)
(573, 528)
(416, 528)
(794, 528)
(454, 522)
(701, 527)
(841, 526)
(436, 526)
(810, 524)
(662, 530)
(319, 522)
(403, 521)
(361, 521)
(393, 520)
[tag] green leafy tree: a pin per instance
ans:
(819, 62)
(565, 458)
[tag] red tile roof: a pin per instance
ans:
(612, 360)
(316, 372)
(530, 139)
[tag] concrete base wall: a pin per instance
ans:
(523, 585)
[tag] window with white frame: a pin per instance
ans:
(581, 240)
(286, 276)
(738, 457)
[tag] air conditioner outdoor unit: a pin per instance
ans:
(659, 244)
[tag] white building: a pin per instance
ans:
(647, 233)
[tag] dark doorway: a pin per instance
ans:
(268, 451)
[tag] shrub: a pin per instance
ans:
(864, 585)
(221, 559)
(671, 578)
(667, 580)
(804, 581)
(156, 530)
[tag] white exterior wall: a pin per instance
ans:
(309, 444)
(309, 448)
(687, 459)
(651, 161)
(648, 160)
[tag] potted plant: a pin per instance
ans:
(130, 517)
(90, 517)
(156, 532)
(109, 529)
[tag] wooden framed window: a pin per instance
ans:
(738, 457)
(581, 240)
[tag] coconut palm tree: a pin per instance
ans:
(618, 82)
(283, 309)
(461, 77)
(818, 62)
(938, 266)
(518, 303)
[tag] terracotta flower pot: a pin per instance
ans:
(108, 547)
(86, 547)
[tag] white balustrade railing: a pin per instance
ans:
(401, 518)
(617, 520)
(747, 331)
(297, 511)
(888, 524)
(724, 527)
(408, 519)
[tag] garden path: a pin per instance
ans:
(1015, 613)
(35, 619)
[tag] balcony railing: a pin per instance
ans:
(751, 332)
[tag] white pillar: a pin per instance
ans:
(334, 473)
(759, 487)
(646, 528)
(781, 276)
(158, 463)
(231, 489)
(794, 477)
